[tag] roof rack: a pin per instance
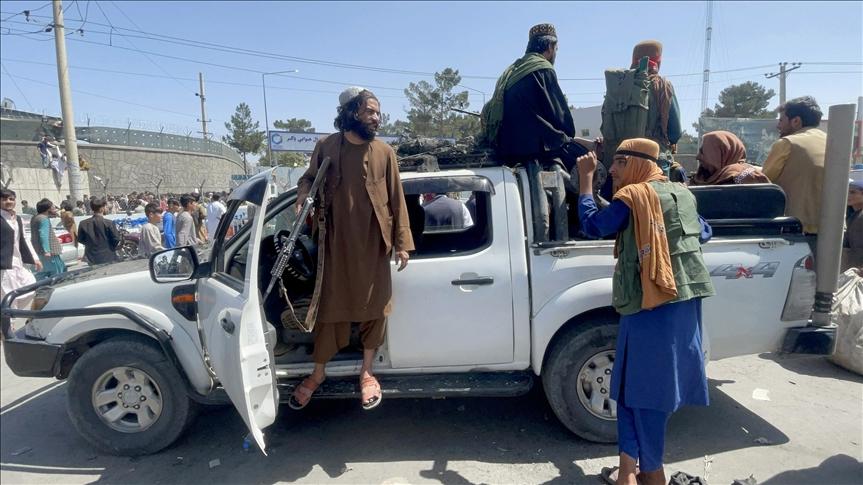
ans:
(435, 162)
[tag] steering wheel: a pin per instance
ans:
(302, 264)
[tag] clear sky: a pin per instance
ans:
(478, 38)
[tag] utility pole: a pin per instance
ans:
(66, 103)
(705, 87)
(782, 75)
(203, 97)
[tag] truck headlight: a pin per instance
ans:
(41, 297)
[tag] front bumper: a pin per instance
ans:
(32, 358)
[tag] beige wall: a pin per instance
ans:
(126, 169)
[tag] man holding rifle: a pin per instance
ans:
(361, 220)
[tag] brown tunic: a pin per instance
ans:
(356, 285)
(379, 174)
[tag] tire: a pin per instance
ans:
(147, 373)
(578, 368)
(128, 250)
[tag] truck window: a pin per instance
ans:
(449, 216)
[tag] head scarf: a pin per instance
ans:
(722, 160)
(657, 277)
(651, 49)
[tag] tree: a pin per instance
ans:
(284, 159)
(244, 134)
(295, 125)
(431, 111)
(747, 100)
(396, 128)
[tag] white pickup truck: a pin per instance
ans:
(479, 311)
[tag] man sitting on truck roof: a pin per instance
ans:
(659, 365)
(528, 116)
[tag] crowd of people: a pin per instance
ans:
(170, 222)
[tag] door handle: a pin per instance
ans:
(227, 324)
(477, 280)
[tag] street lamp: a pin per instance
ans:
(266, 118)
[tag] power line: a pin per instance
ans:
(15, 83)
(256, 53)
(36, 81)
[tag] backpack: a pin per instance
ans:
(625, 108)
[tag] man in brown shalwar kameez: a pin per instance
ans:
(365, 221)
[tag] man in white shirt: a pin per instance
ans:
(15, 251)
(215, 210)
(151, 238)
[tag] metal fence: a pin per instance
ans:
(22, 126)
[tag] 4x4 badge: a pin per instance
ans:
(737, 271)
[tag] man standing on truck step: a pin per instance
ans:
(99, 236)
(44, 240)
(15, 251)
(796, 160)
(362, 220)
(659, 281)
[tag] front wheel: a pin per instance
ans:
(577, 379)
(126, 398)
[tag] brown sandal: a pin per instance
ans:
(371, 393)
(303, 393)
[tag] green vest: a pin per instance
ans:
(682, 228)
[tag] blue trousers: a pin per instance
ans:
(641, 435)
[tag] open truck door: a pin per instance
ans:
(237, 336)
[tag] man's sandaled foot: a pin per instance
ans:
(371, 393)
(609, 475)
(303, 393)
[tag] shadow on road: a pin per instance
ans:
(812, 365)
(38, 437)
(835, 466)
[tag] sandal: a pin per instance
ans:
(371, 393)
(609, 475)
(303, 393)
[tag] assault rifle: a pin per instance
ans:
(288, 249)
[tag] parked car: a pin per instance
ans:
(488, 310)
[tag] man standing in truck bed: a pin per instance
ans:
(363, 219)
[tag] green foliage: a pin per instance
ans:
(284, 159)
(431, 107)
(295, 125)
(397, 128)
(747, 100)
(244, 134)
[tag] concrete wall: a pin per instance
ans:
(126, 169)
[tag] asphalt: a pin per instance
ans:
(780, 419)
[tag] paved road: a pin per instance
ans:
(811, 429)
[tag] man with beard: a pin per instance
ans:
(15, 251)
(796, 161)
(528, 116)
(362, 219)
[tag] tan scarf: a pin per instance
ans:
(657, 277)
(722, 160)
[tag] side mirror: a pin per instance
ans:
(173, 265)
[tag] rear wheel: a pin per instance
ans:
(577, 379)
(126, 398)
(128, 250)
